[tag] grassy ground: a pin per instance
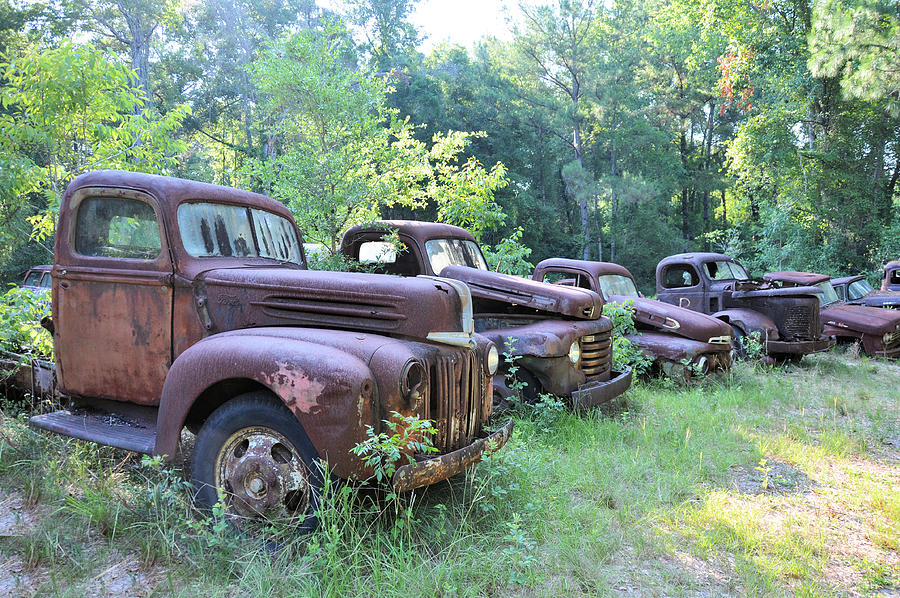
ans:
(761, 482)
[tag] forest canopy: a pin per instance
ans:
(619, 131)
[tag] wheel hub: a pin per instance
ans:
(262, 474)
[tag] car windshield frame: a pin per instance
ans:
(255, 233)
(454, 252)
(617, 284)
(868, 288)
(734, 270)
(829, 295)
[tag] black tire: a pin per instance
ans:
(254, 450)
(739, 350)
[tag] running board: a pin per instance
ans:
(101, 428)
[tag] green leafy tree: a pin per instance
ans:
(67, 111)
(859, 41)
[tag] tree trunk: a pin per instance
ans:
(614, 198)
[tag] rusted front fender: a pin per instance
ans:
(330, 391)
(434, 469)
(543, 338)
(749, 321)
(592, 394)
(663, 345)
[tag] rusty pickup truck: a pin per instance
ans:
(182, 304)
(561, 338)
(787, 319)
(671, 336)
(891, 279)
(857, 290)
(877, 330)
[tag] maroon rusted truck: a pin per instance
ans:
(787, 319)
(669, 335)
(857, 290)
(562, 340)
(877, 330)
(182, 304)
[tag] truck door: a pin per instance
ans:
(113, 297)
(683, 286)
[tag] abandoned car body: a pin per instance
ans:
(561, 339)
(877, 330)
(177, 303)
(667, 334)
(38, 279)
(787, 319)
(857, 290)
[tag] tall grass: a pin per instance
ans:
(759, 482)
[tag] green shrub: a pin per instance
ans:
(21, 311)
(625, 352)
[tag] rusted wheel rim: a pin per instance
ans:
(262, 475)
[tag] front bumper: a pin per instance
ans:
(591, 394)
(435, 469)
(799, 347)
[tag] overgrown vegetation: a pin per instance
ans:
(21, 332)
(623, 132)
(744, 484)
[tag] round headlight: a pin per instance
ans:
(413, 380)
(575, 353)
(493, 360)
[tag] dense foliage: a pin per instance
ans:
(621, 131)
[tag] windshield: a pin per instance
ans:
(829, 295)
(454, 252)
(725, 271)
(616, 284)
(219, 230)
(858, 288)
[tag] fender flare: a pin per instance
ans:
(329, 391)
(749, 321)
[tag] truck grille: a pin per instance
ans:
(455, 401)
(798, 322)
(891, 340)
(595, 354)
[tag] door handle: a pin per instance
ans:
(684, 302)
(64, 284)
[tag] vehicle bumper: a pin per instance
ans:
(435, 469)
(592, 394)
(799, 347)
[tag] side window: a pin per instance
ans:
(894, 276)
(680, 276)
(46, 280)
(377, 252)
(840, 291)
(116, 227)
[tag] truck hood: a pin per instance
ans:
(876, 298)
(567, 301)
(234, 298)
(676, 320)
(745, 291)
(868, 320)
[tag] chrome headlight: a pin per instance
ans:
(575, 353)
(493, 360)
(702, 364)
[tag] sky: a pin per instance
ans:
(460, 21)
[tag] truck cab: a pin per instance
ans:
(787, 319)
(667, 334)
(558, 335)
(891, 279)
(182, 304)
